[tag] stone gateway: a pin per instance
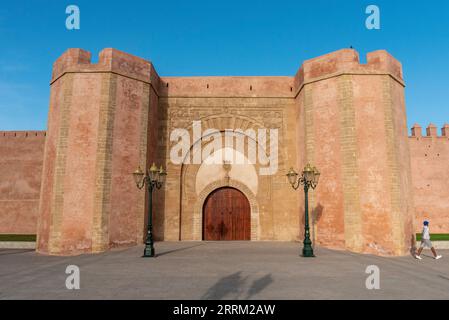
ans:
(72, 184)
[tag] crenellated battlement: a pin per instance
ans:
(431, 131)
(110, 60)
(347, 61)
(429, 158)
(23, 134)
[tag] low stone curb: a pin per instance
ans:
(436, 244)
(443, 245)
(17, 245)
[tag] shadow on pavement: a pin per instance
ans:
(443, 277)
(259, 285)
(232, 287)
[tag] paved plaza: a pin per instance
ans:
(222, 270)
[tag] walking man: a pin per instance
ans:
(425, 242)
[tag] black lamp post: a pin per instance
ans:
(154, 178)
(309, 179)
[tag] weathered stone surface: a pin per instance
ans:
(346, 118)
(98, 134)
(430, 173)
(21, 158)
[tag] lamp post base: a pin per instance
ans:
(307, 252)
(149, 252)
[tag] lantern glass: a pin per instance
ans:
(154, 172)
(138, 176)
(292, 176)
(308, 173)
(162, 175)
(316, 176)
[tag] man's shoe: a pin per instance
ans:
(418, 257)
(438, 257)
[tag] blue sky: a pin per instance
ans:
(191, 38)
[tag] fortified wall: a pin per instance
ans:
(430, 170)
(344, 117)
(101, 126)
(21, 160)
(352, 126)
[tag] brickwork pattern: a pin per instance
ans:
(100, 238)
(136, 111)
(60, 166)
(348, 141)
(393, 164)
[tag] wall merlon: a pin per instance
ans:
(381, 60)
(416, 130)
(344, 59)
(445, 130)
(431, 130)
(71, 57)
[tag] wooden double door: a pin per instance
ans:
(226, 216)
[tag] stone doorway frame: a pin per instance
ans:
(199, 204)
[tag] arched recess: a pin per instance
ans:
(190, 222)
(198, 207)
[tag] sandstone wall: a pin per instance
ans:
(355, 133)
(21, 158)
(430, 172)
(228, 103)
(97, 136)
(346, 118)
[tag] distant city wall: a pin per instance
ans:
(21, 158)
(430, 175)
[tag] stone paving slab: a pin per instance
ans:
(222, 270)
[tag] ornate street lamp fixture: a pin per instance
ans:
(309, 179)
(154, 178)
